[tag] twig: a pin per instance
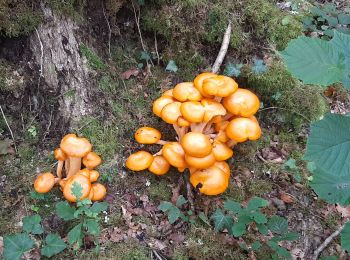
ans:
(223, 50)
(190, 196)
(109, 30)
(156, 47)
(41, 58)
(285, 109)
(9, 128)
(328, 241)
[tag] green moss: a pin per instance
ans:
(158, 190)
(94, 60)
(10, 80)
(71, 8)
(256, 187)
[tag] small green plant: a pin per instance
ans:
(94, 60)
(236, 219)
(174, 212)
(32, 131)
(291, 166)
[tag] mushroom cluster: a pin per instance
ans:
(72, 153)
(210, 116)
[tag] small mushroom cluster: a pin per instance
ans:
(210, 115)
(72, 153)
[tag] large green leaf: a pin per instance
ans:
(65, 211)
(53, 245)
(75, 234)
(329, 144)
(16, 245)
(345, 237)
(31, 224)
(315, 61)
(278, 225)
(221, 221)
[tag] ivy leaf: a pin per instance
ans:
(259, 66)
(278, 225)
(256, 203)
(31, 224)
(77, 190)
(180, 201)
(75, 234)
(345, 237)
(238, 229)
(232, 69)
(92, 227)
(165, 206)
(329, 144)
(53, 245)
(221, 221)
(16, 245)
(314, 61)
(98, 207)
(174, 214)
(65, 211)
(172, 67)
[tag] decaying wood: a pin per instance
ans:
(223, 50)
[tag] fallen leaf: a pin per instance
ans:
(116, 235)
(344, 211)
(130, 72)
(176, 238)
(286, 198)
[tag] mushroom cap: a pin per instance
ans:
(94, 175)
(242, 103)
(83, 181)
(192, 111)
(160, 103)
(186, 91)
(183, 122)
(181, 169)
(98, 191)
(44, 182)
(139, 161)
(221, 151)
(196, 144)
(224, 167)
(62, 183)
(168, 93)
(75, 146)
(222, 137)
(242, 129)
(174, 154)
(171, 112)
(212, 109)
(159, 165)
(220, 86)
(147, 135)
(85, 172)
(198, 81)
(200, 162)
(213, 180)
(221, 125)
(60, 155)
(92, 160)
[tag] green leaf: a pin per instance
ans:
(174, 214)
(233, 206)
(180, 201)
(333, 257)
(221, 221)
(278, 225)
(344, 19)
(53, 245)
(31, 224)
(145, 56)
(84, 202)
(172, 67)
(75, 234)
(16, 245)
(40, 196)
(65, 211)
(259, 66)
(262, 229)
(238, 229)
(259, 217)
(77, 190)
(290, 164)
(98, 207)
(256, 203)
(204, 218)
(92, 227)
(329, 144)
(314, 61)
(311, 167)
(256, 245)
(232, 69)
(279, 250)
(290, 236)
(345, 237)
(286, 20)
(165, 206)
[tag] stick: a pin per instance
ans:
(9, 128)
(328, 241)
(223, 50)
(109, 30)
(156, 47)
(41, 57)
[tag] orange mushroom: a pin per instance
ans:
(198, 82)
(159, 166)
(92, 160)
(192, 111)
(200, 162)
(210, 181)
(224, 167)
(221, 151)
(186, 91)
(77, 179)
(171, 112)
(242, 129)
(174, 154)
(60, 157)
(242, 103)
(160, 103)
(139, 161)
(196, 144)
(147, 135)
(75, 148)
(183, 122)
(212, 109)
(91, 174)
(168, 93)
(97, 192)
(44, 182)
(220, 86)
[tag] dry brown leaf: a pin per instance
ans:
(286, 198)
(116, 235)
(130, 72)
(176, 238)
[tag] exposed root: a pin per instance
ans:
(223, 50)
(9, 128)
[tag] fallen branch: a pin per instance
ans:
(9, 128)
(327, 241)
(223, 50)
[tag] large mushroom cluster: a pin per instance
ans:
(72, 153)
(210, 116)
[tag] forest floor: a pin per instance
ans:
(133, 227)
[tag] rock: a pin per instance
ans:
(279, 204)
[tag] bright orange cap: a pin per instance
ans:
(198, 81)
(62, 183)
(159, 165)
(85, 172)
(221, 136)
(224, 167)
(200, 162)
(75, 146)
(242, 129)
(44, 182)
(196, 144)
(92, 160)
(242, 103)
(147, 135)
(186, 91)
(171, 112)
(174, 154)
(210, 181)
(91, 174)
(139, 161)
(160, 103)
(220, 86)
(192, 111)
(81, 180)
(168, 93)
(212, 109)
(221, 151)
(221, 125)
(183, 122)
(98, 192)
(60, 155)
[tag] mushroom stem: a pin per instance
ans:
(231, 143)
(162, 142)
(218, 99)
(74, 166)
(183, 131)
(59, 169)
(227, 117)
(66, 166)
(158, 153)
(177, 129)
